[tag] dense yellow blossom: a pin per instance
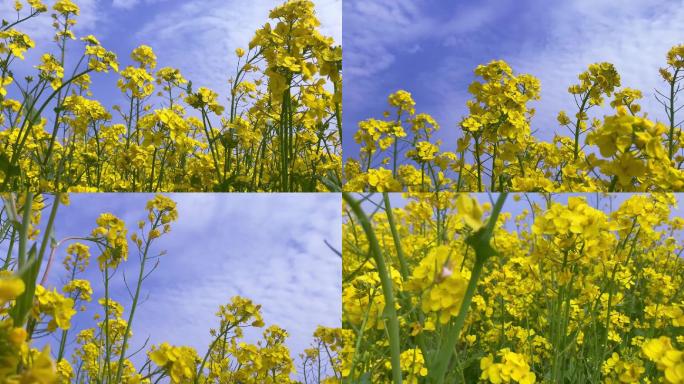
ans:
(566, 288)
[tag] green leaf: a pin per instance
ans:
(29, 275)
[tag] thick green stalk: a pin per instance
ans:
(480, 241)
(395, 237)
(63, 337)
(23, 230)
(578, 129)
(48, 228)
(386, 282)
(285, 137)
(479, 165)
(210, 140)
(106, 374)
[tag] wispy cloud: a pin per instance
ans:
(380, 30)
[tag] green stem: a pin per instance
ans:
(386, 282)
(480, 241)
(671, 115)
(134, 304)
(48, 229)
(578, 129)
(395, 236)
(206, 355)
(23, 230)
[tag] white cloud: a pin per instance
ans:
(378, 32)
(131, 4)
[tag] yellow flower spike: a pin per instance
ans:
(16, 43)
(403, 101)
(675, 57)
(144, 55)
(113, 232)
(59, 308)
(81, 289)
(205, 98)
(64, 370)
(513, 368)
(90, 39)
(37, 5)
(77, 257)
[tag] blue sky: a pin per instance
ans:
(431, 47)
(197, 36)
(267, 247)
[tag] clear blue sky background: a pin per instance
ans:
(197, 36)
(267, 247)
(430, 48)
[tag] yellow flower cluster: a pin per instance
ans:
(441, 282)
(616, 370)
(497, 151)
(77, 257)
(179, 362)
(10, 287)
(512, 369)
(668, 359)
(111, 231)
(412, 362)
(58, 307)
